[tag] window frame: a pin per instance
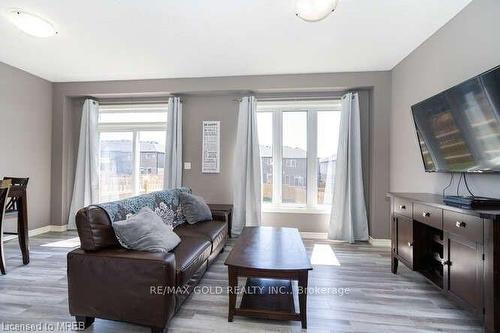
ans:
(311, 107)
(131, 127)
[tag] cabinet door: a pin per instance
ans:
(463, 270)
(405, 239)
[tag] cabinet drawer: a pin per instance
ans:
(403, 207)
(470, 227)
(429, 215)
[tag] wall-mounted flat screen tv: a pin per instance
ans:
(458, 130)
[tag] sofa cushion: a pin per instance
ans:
(194, 208)
(190, 255)
(145, 231)
(215, 231)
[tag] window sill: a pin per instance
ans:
(295, 210)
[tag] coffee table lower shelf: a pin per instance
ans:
(268, 299)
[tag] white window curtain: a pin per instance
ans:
(173, 146)
(348, 219)
(86, 185)
(247, 174)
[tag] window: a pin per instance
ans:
(298, 147)
(265, 130)
(132, 149)
(328, 141)
(294, 148)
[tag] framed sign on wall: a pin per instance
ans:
(210, 162)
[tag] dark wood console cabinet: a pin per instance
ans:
(458, 250)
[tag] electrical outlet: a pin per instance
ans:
(187, 165)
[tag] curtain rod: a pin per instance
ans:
(133, 102)
(299, 98)
(294, 98)
(118, 101)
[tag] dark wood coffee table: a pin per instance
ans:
(270, 258)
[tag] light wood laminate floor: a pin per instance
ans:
(378, 301)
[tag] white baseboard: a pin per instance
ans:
(39, 231)
(58, 228)
(10, 225)
(47, 228)
(379, 242)
(314, 235)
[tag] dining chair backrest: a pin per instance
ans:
(15, 181)
(18, 181)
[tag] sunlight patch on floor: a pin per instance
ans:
(323, 254)
(70, 243)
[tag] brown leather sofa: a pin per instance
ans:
(108, 281)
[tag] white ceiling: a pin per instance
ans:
(134, 39)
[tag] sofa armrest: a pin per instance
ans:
(94, 229)
(120, 284)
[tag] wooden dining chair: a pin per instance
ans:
(12, 205)
(18, 203)
(4, 193)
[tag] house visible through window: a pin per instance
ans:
(132, 149)
(298, 146)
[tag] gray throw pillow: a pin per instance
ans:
(194, 208)
(145, 231)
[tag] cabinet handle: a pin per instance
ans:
(460, 224)
(426, 214)
(410, 244)
(402, 207)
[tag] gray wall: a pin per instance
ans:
(215, 188)
(25, 137)
(466, 46)
(213, 99)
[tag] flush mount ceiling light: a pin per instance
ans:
(32, 24)
(314, 10)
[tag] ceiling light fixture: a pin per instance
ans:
(32, 24)
(314, 10)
